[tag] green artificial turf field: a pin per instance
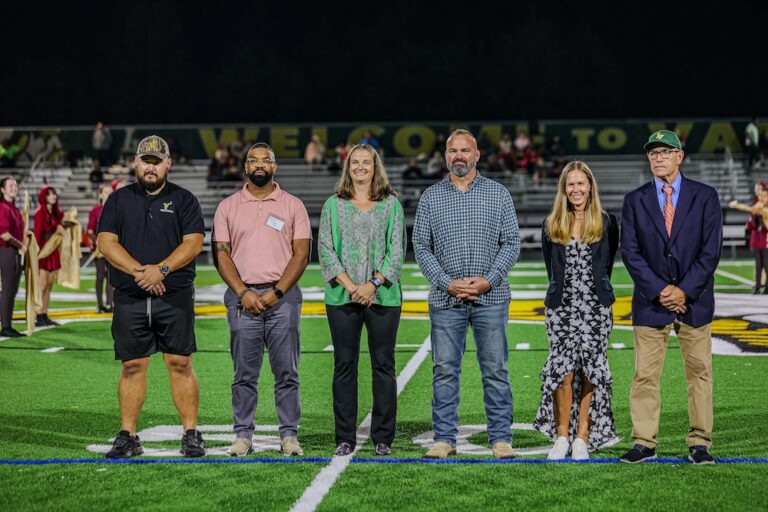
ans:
(58, 400)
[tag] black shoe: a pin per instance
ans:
(757, 290)
(638, 453)
(10, 332)
(343, 449)
(101, 309)
(49, 321)
(699, 454)
(192, 444)
(125, 446)
(40, 321)
(382, 449)
(108, 309)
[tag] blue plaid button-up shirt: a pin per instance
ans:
(463, 234)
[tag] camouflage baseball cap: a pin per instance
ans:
(663, 138)
(153, 146)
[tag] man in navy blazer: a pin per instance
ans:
(671, 237)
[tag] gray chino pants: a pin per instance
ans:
(277, 330)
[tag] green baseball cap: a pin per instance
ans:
(663, 138)
(153, 146)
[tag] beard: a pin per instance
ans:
(151, 186)
(259, 180)
(460, 169)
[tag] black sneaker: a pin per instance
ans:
(192, 444)
(699, 454)
(125, 446)
(638, 453)
(40, 321)
(382, 449)
(343, 449)
(10, 332)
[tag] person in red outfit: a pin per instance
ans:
(99, 261)
(13, 245)
(757, 225)
(48, 222)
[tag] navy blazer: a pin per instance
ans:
(688, 258)
(603, 254)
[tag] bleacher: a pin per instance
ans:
(616, 175)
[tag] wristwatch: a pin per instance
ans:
(164, 268)
(278, 292)
(376, 282)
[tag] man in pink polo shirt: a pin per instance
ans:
(262, 239)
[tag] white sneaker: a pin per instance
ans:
(560, 450)
(579, 449)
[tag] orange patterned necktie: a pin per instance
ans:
(669, 209)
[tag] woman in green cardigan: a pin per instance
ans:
(362, 246)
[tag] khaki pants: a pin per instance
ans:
(644, 397)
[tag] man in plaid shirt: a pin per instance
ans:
(466, 240)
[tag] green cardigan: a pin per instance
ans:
(343, 247)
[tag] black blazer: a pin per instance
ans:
(603, 254)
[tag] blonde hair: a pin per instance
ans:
(380, 186)
(559, 224)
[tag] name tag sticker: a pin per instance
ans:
(275, 223)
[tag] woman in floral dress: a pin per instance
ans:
(579, 241)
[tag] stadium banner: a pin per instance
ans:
(403, 139)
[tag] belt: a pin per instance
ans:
(270, 284)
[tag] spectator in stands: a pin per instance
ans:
(412, 170)
(486, 147)
(752, 143)
(217, 167)
(671, 239)
(361, 247)
(13, 245)
(555, 157)
(101, 140)
(96, 176)
(231, 170)
(48, 222)
(102, 273)
(117, 184)
(466, 239)
(370, 139)
(521, 141)
(435, 166)
(339, 157)
(261, 262)
(314, 154)
(235, 148)
(506, 152)
(579, 240)
(440, 143)
(8, 153)
(758, 228)
(493, 167)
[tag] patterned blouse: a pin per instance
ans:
(360, 244)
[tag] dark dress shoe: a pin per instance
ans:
(10, 332)
(108, 309)
(343, 449)
(50, 322)
(40, 321)
(699, 454)
(101, 309)
(382, 449)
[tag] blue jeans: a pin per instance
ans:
(449, 341)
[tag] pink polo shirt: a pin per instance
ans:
(261, 232)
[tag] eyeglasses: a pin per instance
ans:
(663, 152)
(254, 161)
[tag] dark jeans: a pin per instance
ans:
(346, 323)
(761, 264)
(10, 272)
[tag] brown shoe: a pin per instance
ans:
(440, 450)
(503, 450)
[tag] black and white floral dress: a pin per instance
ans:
(578, 333)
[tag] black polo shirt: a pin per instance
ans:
(150, 228)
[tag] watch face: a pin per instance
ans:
(164, 269)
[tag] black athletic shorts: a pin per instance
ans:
(141, 327)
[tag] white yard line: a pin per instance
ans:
(323, 482)
(735, 277)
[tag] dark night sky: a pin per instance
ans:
(163, 62)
